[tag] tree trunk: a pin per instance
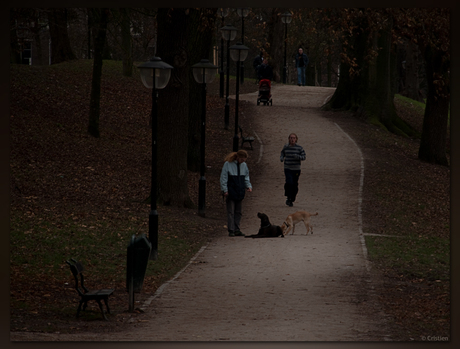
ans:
(173, 108)
(275, 49)
(412, 86)
(201, 29)
(310, 69)
(89, 26)
(433, 141)
(352, 85)
(15, 56)
(126, 42)
(60, 43)
(329, 71)
(100, 17)
(378, 103)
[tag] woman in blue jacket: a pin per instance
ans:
(234, 181)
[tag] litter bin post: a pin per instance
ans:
(138, 253)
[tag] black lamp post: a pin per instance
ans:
(242, 12)
(203, 72)
(286, 18)
(228, 33)
(155, 74)
(223, 12)
(238, 53)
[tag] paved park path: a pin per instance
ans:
(316, 287)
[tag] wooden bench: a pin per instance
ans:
(245, 139)
(85, 294)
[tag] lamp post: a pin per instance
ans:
(203, 72)
(286, 18)
(223, 12)
(228, 33)
(155, 75)
(242, 12)
(238, 53)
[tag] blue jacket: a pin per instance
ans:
(297, 60)
(234, 182)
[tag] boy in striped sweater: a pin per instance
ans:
(292, 154)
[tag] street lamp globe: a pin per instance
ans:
(228, 32)
(204, 72)
(239, 52)
(155, 67)
(286, 17)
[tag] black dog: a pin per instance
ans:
(267, 230)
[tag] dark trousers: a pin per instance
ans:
(291, 187)
(233, 214)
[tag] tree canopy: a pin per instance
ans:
(369, 54)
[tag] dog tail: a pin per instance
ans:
(315, 214)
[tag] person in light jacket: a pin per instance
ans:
(234, 182)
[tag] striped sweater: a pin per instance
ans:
(292, 155)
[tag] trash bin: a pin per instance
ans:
(138, 254)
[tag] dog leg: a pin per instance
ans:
(307, 226)
(288, 229)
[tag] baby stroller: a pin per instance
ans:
(264, 92)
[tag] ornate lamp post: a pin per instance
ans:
(238, 53)
(155, 75)
(286, 18)
(242, 12)
(228, 34)
(222, 12)
(203, 72)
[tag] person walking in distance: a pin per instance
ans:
(234, 182)
(301, 61)
(292, 154)
(257, 62)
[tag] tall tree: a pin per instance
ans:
(61, 50)
(99, 19)
(275, 48)
(173, 108)
(353, 32)
(412, 80)
(430, 29)
(379, 94)
(200, 31)
(367, 69)
(126, 42)
(15, 56)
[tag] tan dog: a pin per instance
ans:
(293, 219)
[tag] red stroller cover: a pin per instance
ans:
(265, 83)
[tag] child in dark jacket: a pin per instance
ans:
(234, 181)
